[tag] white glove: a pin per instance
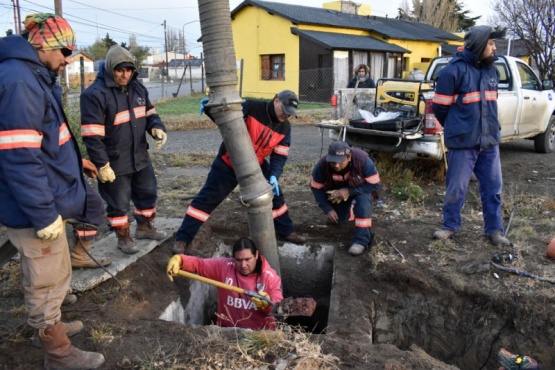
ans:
(106, 174)
(160, 137)
(52, 231)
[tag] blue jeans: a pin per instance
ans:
(219, 184)
(363, 216)
(486, 165)
(140, 187)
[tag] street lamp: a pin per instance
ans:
(184, 48)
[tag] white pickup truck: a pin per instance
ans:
(526, 108)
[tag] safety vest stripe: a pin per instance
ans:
(280, 211)
(86, 233)
(93, 129)
(472, 97)
(151, 111)
(443, 99)
(121, 117)
(363, 222)
(374, 179)
(337, 178)
(13, 139)
(144, 212)
(315, 184)
(491, 95)
(198, 214)
(64, 134)
(282, 150)
(140, 112)
(118, 221)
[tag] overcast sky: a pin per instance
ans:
(92, 19)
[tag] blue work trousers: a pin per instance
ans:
(363, 216)
(219, 184)
(140, 187)
(486, 165)
(92, 214)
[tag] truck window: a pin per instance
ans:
(528, 78)
(504, 78)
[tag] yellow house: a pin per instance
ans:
(312, 51)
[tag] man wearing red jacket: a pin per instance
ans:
(246, 270)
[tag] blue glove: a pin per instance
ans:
(202, 103)
(275, 183)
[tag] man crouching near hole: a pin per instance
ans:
(247, 270)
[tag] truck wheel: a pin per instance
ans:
(545, 143)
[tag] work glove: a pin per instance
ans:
(334, 196)
(259, 303)
(106, 174)
(174, 265)
(160, 137)
(274, 182)
(202, 104)
(89, 169)
(52, 231)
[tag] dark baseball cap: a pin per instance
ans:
(123, 65)
(290, 102)
(338, 151)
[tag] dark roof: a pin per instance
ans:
(383, 26)
(343, 41)
(449, 49)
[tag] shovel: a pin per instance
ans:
(287, 307)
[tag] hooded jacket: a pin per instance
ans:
(365, 82)
(115, 119)
(465, 99)
(237, 309)
(41, 173)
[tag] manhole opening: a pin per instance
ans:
(306, 272)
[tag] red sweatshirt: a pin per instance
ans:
(237, 309)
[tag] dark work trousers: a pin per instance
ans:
(140, 187)
(219, 184)
(92, 214)
(363, 216)
(486, 165)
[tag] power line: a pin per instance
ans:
(108, 11)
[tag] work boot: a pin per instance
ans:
(125, 241)
(80, 255)
(356, 249)
(69, 299)
(292, 238)
(60, 354)
(496, 239)
(147, 230)
(179, 247)
(70, 328)
(443, 234)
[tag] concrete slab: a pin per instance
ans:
(86, 279)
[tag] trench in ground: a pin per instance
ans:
(459, 329)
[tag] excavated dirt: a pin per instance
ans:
(409, 303)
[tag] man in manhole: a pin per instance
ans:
(344, 184)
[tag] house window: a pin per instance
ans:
(273, 67)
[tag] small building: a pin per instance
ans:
(73, 69)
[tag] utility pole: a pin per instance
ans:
(166, 47)
(16, 17)
(63, 77)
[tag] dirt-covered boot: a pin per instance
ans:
(71, 328)
(80, 255)
(147, 230)
(125, 242)
(60, 354)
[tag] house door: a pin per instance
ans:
(391, 63)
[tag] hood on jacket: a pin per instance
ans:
(477, 38)
(117, 55)
(16, 47)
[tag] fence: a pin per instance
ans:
(316, 85)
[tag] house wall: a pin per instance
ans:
(256, 33)
(420, 50)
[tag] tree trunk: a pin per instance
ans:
(226, 110)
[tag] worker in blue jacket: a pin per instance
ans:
(41, 180)
(344, 183)
(465, 103)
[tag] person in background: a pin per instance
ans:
(465, 104)
(42, 182)
(270, 132)
(362, 75)
(247, 270)
(344, 183)
(116, 115)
